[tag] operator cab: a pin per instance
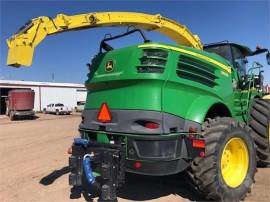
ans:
(237, 55)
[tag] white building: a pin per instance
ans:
(45, 93)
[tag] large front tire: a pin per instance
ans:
(259, 121)
(227, 171)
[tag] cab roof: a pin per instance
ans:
(244, 49)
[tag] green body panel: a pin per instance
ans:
(125, 88)
(190, 99)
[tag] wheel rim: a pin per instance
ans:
(269, 132)
(234, 162)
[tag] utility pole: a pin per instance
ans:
(53, 77)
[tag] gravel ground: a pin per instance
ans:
(33, 167)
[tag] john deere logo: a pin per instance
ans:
(109, 66)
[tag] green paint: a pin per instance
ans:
(102, 138)
(96, 174)
(125, 88)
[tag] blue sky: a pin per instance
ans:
(65, 55)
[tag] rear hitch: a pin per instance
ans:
(102, 166)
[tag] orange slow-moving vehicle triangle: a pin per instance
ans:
(104, 114)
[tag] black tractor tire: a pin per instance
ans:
(259, 121)
(206, 172)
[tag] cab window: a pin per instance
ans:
(222, 50)
(239, 61)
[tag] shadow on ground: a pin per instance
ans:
(137, 187)
(140, 188)
(23, 118)
(49, 179)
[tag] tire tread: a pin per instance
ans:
(259, 122)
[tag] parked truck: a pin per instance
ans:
(20, 103)
(57, 108)
(159, 109)
(80, 106)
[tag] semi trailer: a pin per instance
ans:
(159, 109)
(20, 103)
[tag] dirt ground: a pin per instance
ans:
(33, 167)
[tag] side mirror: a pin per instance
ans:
(268, 58)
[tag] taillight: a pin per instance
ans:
(148, 124)
(202, 154)
(151, 125)
(137, 165)
(197, 143)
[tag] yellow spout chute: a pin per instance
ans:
(22, 45)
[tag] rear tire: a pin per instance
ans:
(57, 112)
(210, 174)
(12, 116)
(259, 122)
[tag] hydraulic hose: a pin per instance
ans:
(86, 161)
(87, 169)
